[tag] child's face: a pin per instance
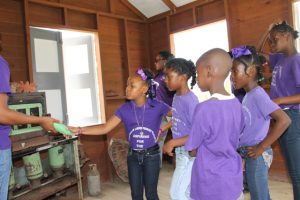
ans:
(135, 88)
(159, 62)
(202, 79)
(172, 79)
(278, 42)
(238, 76)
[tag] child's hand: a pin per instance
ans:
(160, 133)
(277, 101)
(74, 130)
(168, 148)
(193, 153)
(47, 124)
(255, 151)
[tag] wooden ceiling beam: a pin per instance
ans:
(171, 5)
(134, 9)
(180, 9)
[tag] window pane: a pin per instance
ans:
(54, 103)
(79, 103)
(76, 59)
(46, 56)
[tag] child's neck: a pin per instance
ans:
(250, 86)
(218, 87)
(140, 101)
(291, 50)
(182, 90)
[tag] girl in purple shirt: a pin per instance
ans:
(258, 109)
(178, 72)
(285, 91)
(141, 116)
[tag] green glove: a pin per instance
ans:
(61, 128)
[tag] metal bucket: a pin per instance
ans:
(33, 166)
(56, 157)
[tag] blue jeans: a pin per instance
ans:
(143, 171)
(181, 180)
(257, 176)
(5, 167)
(290, 146)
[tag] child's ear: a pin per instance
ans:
(184, 77)
(145, 88)
(251, 71)
(209, 71)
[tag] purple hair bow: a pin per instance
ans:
(240, 51)
(141, 73)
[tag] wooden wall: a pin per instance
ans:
(12, 38)
(127, 41)
(247, 22)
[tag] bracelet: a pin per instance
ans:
(161, 130)
(79, 131)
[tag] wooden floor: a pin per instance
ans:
(120, 190)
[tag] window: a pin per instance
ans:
(296, 9)
(65, 68)
(192, 43)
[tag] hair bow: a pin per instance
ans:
(141, 73)
(240, 51)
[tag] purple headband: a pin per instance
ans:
(240, 51)
(141, 73)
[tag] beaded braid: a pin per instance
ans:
(284, 27)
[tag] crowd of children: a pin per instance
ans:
(214, 140)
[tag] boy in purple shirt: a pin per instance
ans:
(7, 118)
(216, 128)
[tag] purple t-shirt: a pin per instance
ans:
(286, 77)
(183, 108)
(142, 123)
(257, 107)
(217, 170)
(4, 88)
(162, 92)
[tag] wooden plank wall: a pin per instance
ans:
(12, 38)
(247, 22)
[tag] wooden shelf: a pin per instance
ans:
(53, 186)
(116, 98)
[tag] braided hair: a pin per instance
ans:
(253, 58)
(183, 66)
(166, 55)
(284, 27)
